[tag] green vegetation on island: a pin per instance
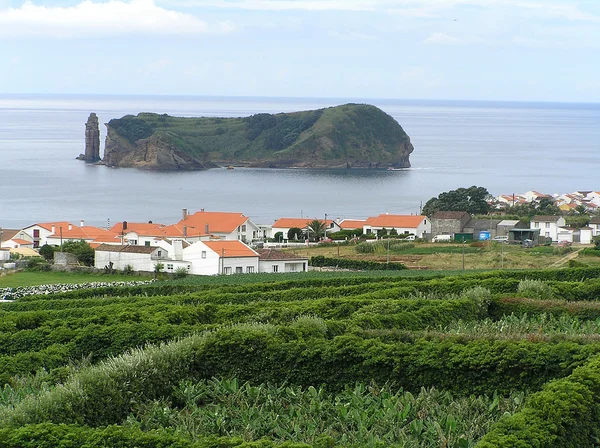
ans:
(347, 136)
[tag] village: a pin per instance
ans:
(212, 243)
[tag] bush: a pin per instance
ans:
(47, 252)
(345, 263)
(38, 264)
(82, 250)
(128, 269)
(365, 248)
(180, 272)
(535, 289)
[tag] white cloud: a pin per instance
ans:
(283, 5)
(441, 39)
(112, 18)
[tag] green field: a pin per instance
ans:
(400, 359)
(30, 278)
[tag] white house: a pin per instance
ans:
(595, 225)
(418, 225)
(222, 225)
(88, 234)
(140, 258)
(568, 235)
(548, 225)
(284, 225)
(532, 196)
(4, 254)
(272, 260)
(38, 233)
(221, 257)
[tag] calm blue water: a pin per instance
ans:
(505, 147)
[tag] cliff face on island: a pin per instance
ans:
(348, 136)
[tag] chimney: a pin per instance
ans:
(184, 212)
(70, 227)
(206, 228)
(178, 249)
(202, 210)
(53, 230)
(124, 225)
(81, 223)
(185, 231)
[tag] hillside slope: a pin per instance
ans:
(347, 136)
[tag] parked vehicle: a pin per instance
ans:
(527, 243)
(440, 238)
(500, 239)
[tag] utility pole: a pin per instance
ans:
(463, 254)
(388, 249)
(60, 238)
(325, 230)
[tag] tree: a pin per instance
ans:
(82, 250)
(278, 237)
(47, 252)
(157, 268)
(473, 200)
(295, 233)
(316, 228)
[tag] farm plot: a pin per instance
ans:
(488, 359)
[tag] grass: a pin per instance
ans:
(30, 278)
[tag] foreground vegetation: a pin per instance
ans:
(390, 358)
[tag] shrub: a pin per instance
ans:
(180, 272)
(535, 289)
(365, 248)
(128, 269)
(47, 252)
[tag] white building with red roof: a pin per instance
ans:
(417, 225)
(221, 257)
(38, 233)
(219, 225)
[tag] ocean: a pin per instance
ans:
(506, 147)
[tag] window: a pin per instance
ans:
(133, 242)
(227, 271)
(292, 267)
(275, 268)
(244, 228)
(239, 270)
(536, 224)
(547, 225)
(159, 253)
(249, 269)
(147, 243)
(203, 255)
(169, 267)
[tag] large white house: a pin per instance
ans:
(38, 233)
(221, 257)
(418, 225)
(219, 225)
(548, 225)
(140, 258)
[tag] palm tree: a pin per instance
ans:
(316, 228)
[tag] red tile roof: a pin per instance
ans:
(407, 221)
(22, 242)
(277, 255)
(230, 249)
(202, 223)
(351, 224)
(81, 233)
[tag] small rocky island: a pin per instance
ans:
(347, 136)
(92, 140)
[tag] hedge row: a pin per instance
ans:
(297, 354)
(48, 435)
(362, 265)
(54, 343)
(520, 306)
(564, 414)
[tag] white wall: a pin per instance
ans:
(207, 265)
(548, 229)
(139, 262)
(266, 266)
(4, 255)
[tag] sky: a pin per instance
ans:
(508, 50)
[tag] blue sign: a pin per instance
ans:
(484, 236)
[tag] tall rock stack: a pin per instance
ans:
(92, 139)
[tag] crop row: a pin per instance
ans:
(297, 354)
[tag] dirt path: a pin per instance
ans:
(566, 258)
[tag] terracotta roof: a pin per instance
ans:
(301, 223)
(230, 249)
(449, 215)
(278, 255)
(56, 224)
(545, 218)
(407, 221)
(217, 222)
(141, 228)
(126, 248)
(7, 234)
(22, 242)
(351, 224)
(595, 220)
(82, 233)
